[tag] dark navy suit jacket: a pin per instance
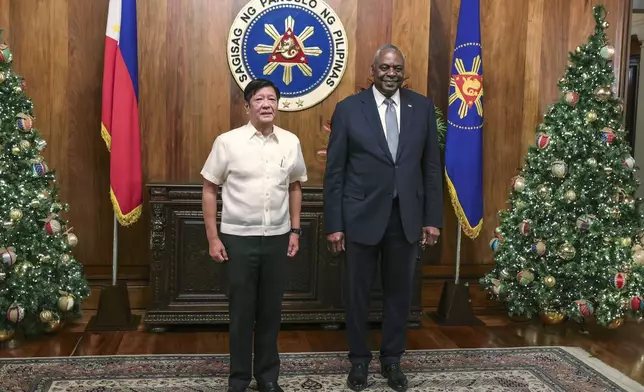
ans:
(360, 171)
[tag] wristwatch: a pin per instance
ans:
(296, 231)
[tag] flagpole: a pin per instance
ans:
(458, 253)
(115, 244)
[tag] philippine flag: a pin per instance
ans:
(120, 112)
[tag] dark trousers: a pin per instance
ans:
(398, 258)
(256, 269)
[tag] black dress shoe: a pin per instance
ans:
(396, 379)
(270, 387)
(357, 379)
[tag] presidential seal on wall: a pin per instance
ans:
(300, 45)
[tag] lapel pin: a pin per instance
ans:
(409, 104)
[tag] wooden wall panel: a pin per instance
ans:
(187, 98)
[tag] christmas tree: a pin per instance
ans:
(570, 245)
(40, 281)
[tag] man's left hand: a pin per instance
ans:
(430, 236)
(293, 244)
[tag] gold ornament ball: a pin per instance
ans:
(15, 214)
(626, 241)
(24, 144)
(567, 251)
(552, 317)
(54, 326)
(559, 169)
(71, 239)
(637, 248)
(15, 150)
(35, 203)
(65, 259)
(605, 24)
(616, 323)
(549, 281)
(6, 335)
(570, 195)
(46, 316)
(544, 191)
(518, 183)
(603, 93)
(591, 116)
(66, 303)
(638, 258)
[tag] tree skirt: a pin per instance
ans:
(528, 369)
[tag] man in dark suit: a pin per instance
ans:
(382, 195)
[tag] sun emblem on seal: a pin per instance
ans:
(288, 50)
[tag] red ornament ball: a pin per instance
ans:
(52, 226)
(572, 98)
(619, 280)
(585, 308)
(607, 135)
(543, 140)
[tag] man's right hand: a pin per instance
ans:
(218, 251)
(336, 241)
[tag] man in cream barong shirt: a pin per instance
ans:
(260, 168)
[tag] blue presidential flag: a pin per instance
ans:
(464, 138)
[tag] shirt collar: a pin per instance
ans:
(381, 98)
(252, 132)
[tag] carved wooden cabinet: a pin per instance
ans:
(188, 287)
